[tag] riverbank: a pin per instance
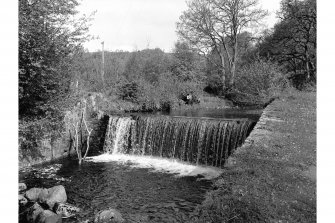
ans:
(272, 177)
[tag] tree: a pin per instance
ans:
(293, 41)
(49, 38)
(186, 64)
(214, 25)
(78, 128)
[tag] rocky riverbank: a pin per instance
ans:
(48, 205)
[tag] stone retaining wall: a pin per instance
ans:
(48, 151)
(262, 131)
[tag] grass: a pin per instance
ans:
(272, 179)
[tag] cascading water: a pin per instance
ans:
(117, 134)
(194, 140)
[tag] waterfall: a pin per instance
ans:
(117, 134)
(193, 140)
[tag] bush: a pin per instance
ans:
(128, 91)
(214, 85)
(160, 95)
(257, 83)
(167, 93)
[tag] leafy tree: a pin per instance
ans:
(132, 68)
(257, 83)
(214, 25)
(187, 65)
(49, 38)
(293, 41)
(147, 64)
(154, 62)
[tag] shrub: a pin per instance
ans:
(257, 83)
(128, 91)
(214, 85)
(168, 92)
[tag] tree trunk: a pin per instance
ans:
(233, 65)
(232, 74)
(71, 143)
(52, 142)
(307, 63)
(308, 71)
(223, 70)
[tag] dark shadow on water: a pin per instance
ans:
(139, 194)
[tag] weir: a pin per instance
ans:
(202, 141)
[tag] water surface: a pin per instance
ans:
(140, 194)
(227, 113)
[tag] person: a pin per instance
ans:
(189, 99)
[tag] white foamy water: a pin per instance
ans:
(160, 165)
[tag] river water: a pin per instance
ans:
(143, 189)
(140, 194)
(228, 113)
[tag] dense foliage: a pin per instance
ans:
(49, 39)
(293, 41)
(257, 83)
(149, 79)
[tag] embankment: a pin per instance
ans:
(271, 178)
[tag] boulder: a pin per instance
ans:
(22, 186)
(33, 212)
(47, 196)
(33, 193)
(108, 216)
(43, 195)
(47, 216)
(65, 210)
(22, 200)
(56, 194)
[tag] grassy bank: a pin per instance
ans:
(272, 179)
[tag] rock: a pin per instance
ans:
(48, 196)
(56, 194)
(22, 186)
(108, 216)
(65, 210)
(33, 194)
(33, 212)
(43, 195)
(22, 200)
(47, 216)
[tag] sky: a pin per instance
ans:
(137, 24)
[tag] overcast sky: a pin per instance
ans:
(138, 24)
